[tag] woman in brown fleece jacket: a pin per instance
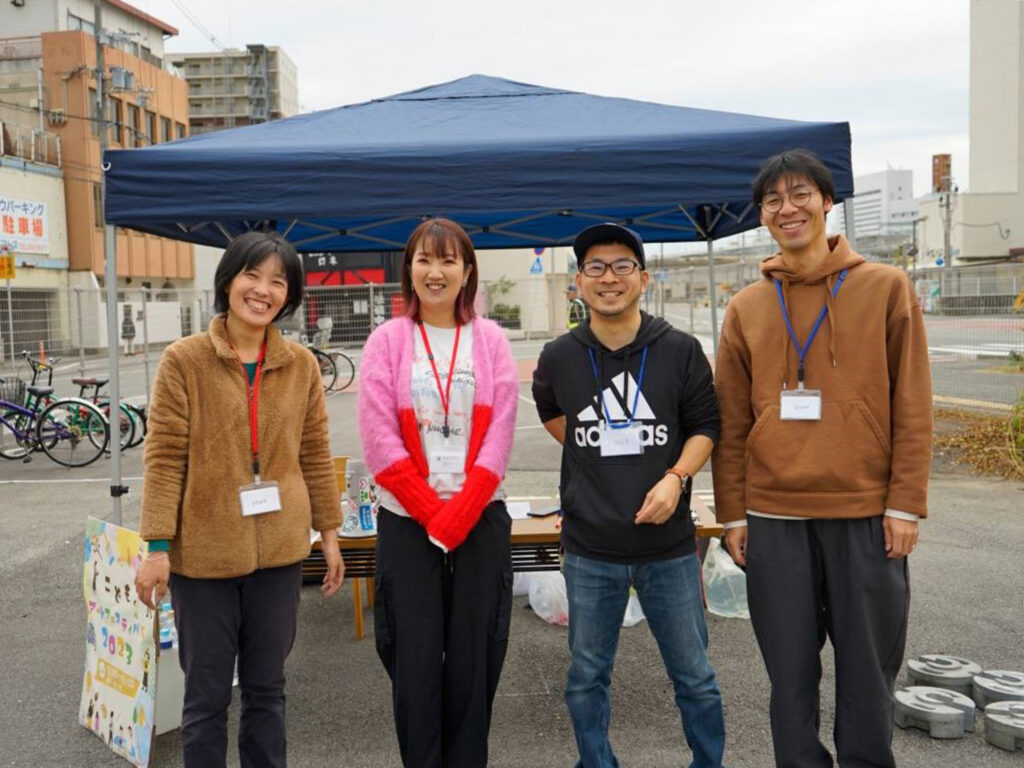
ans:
(237, 472)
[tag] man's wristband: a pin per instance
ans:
(685, 481)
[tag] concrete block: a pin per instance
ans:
(950, 672)
(944, 714)
(998, 685)
(1004, 725)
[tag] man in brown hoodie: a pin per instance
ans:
(821, 468)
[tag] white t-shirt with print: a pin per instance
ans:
(426, 403)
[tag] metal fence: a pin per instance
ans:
(974, 334)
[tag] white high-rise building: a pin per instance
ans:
(883, 203)
(987, 221)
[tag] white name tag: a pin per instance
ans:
(800, 405)
(626, 441)
(259, 498)
(446, 461)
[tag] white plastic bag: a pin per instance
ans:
(634, 613)
(521, 584)
(548, 598)
(725, 585)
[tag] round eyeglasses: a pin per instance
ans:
(799, 198)
(597, 268)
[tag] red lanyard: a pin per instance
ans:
(444, 392)
(254, 403)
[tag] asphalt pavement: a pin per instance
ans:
(967, 600)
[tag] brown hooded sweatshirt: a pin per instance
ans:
(871, 450)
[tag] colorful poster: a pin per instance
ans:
(119, 685)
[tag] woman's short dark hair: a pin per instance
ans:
(441, 236)
(250, 250)
(793, 162)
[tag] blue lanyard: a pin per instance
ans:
(801, 351)
(625, 385)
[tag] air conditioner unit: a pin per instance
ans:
(33, 103)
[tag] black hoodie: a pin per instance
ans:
(602, 495)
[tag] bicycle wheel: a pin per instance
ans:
(126, 426)
(328, 370)
(139, 417)
(11, 445)
(346, 371)
(72, 432)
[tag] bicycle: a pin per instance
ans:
(132, 421)
(334, 363)
(136, 415)
(70, 431)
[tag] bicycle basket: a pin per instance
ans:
(13, 390)
(321, 338)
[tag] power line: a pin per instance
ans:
(198, 25)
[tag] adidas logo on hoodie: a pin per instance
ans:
(588, 435)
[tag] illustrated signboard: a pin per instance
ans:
(119, 684)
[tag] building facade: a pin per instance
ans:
(48, 89)
(231, 88)
(987, 221)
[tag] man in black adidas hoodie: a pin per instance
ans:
(632, 402)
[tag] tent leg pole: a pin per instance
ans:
(851, 232)
(713, 296)
(114, 446)
(110, 277)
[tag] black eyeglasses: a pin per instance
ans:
(799, 197)
(597, 268)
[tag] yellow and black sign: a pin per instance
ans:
(7, 266)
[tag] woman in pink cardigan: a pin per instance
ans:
(437, 406)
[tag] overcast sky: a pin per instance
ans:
(896, 70)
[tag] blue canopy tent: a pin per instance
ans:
(516, 164)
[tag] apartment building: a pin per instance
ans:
(234, 87)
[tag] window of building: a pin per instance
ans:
(180, 129)
(134, 138)
(165, 129)
(97, 205)
(150, 127)
(76, 22)
(94, 114)
(115, 112)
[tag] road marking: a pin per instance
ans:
(75, 480)
(967, 403)
(994, 349)
(525, 399)
(530, 426)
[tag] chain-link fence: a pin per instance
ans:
(975, 332)
(975, 335)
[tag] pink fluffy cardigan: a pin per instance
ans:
(387, 422)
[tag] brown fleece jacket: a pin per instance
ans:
(871, 451)
(198, 453)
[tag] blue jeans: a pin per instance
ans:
(669, 592)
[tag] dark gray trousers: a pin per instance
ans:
(810, 579)
(252, 617)
(441, 623)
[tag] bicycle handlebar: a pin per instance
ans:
(36, 363)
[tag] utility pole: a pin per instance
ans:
(947, 222)
(109, 275)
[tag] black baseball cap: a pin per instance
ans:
(599, 234)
